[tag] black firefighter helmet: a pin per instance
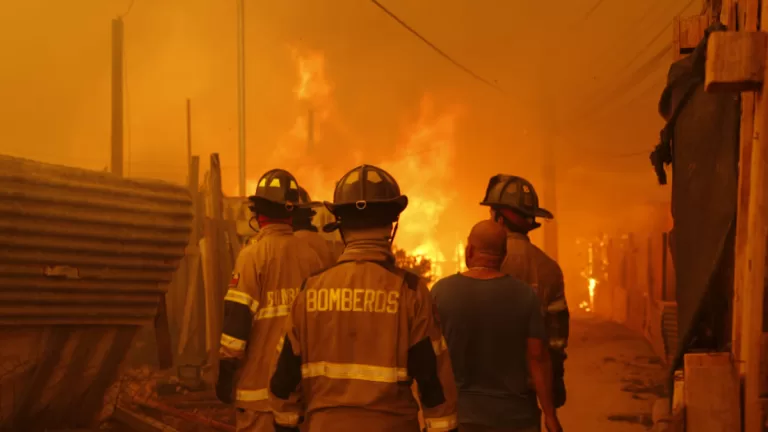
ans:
(277, 194)
(366, 196)
(514, 193)
(306, 210)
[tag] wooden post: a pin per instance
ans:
(724, 70)
(189, 139)
(216, 277)
(664, 250)
(117, 97)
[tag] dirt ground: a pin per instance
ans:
(612, 377)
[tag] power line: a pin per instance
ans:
(614, 108)
(128, 10)
(436, 49)
(641, 72)
(592, 10)
(649, 44)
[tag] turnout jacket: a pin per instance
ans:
(358, 335)
(318, 243)
(266, 279)
(530, 264)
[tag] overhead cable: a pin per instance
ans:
(436, 49)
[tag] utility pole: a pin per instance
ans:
(241, 92)
(117, 97)
(549, 194)
(547, 125)
(189, 132)
(310, 130)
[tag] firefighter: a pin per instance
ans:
(303, 228)
(266, 279)
(360, 332)
(515, 205)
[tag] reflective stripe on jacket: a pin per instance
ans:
(266, 279)
(358, 335)
(530, 264)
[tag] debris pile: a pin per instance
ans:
(167, 401)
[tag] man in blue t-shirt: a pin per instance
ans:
(497, 342)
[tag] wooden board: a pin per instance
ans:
(711, 393)
(735, 61)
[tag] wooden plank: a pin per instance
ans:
(216, 277)
(139, 422)
(750, 8)
(163, 336)
(192, 331)
(711, 393)
(742, 219)
(754, 263)
(691, 32)
(735, 61)
(728, 14)
(676, 38)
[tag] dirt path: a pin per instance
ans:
(612, 377)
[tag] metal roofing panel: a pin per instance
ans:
(85, 247)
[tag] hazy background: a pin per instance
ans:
(585, 73)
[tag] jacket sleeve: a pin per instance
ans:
(430, 364)
(556, 314)
(240, 305)
(285, 385)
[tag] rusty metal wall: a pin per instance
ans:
(84, 247)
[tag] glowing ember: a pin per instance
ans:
(592, 285)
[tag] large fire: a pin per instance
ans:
(422, 161)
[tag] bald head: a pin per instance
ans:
(487, 245)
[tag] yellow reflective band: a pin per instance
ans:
(244, 299)
(441, 424)
(354, 371)
(286, 419)
(273, 312)
(280, 344)
(558, 343)
(252, 395)
(231, 343)
(558, 305)
(440, 346)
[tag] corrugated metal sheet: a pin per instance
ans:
(84, 247)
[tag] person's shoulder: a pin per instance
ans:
(517, 286)
(447, 282)
(249, 251)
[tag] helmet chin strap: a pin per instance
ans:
(394, 231)
(250, 222)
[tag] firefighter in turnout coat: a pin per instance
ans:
(303, 228)
(266, 279)
(515, 205)
(360, 332)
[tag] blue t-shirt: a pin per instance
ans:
(486, 324)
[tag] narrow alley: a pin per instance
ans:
(613, 378)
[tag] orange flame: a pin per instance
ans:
(423, 169)
(422, 163)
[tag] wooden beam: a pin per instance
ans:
(140, 422)
(735, 61)
(690, 32)
(753, 269)
(711, 393)
(728, 14)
